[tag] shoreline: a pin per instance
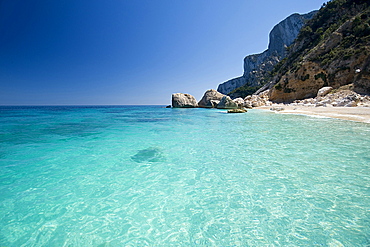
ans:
(357, 114)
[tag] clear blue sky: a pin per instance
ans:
(129, 51)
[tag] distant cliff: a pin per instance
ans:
(333, 49)
(257, 66)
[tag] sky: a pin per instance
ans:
(129, 52)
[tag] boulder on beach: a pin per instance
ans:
(257, 100)
(324, 91)
(239, 101)
(209, 99)
(227, 103)
(183, 100)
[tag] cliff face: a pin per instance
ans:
(333, 49)
(257, 66)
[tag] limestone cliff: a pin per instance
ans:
(258, 65)
(333, 49)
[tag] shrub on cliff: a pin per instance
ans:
(331, 46)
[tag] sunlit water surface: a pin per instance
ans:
(150, 176)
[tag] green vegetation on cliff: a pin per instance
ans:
(332, 49)
(243, 91)
(328, 20)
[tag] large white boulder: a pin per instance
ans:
(239, 101)
(227, 103)
(183, 100)
(209, 98)
(324, 91)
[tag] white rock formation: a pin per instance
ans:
(209, 98)
(239, 101)
(257, 100)
(227, 103)
(324, 91)
(183, 100)
(342, 98)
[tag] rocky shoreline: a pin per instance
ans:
(341, 103)
(326, 97)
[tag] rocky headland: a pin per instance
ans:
(257, 65)
(318, 62)
(332, 50)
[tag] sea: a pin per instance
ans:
(153, 176)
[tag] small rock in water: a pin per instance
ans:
(236, 111)
(148, 155)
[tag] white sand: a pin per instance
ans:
(358, 114)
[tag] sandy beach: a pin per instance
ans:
(358, 114)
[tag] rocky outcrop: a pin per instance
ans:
(344, 97)
(331, 51)
(227, 103)
(300, 84)
(256, 66)
(257, 100)
(230, 85)
(362, 79)
(210, 99)
(239, 102)
(237, 110)
(324, 91)
(326, 97)
(181, 100)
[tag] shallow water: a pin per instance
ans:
(150, 176)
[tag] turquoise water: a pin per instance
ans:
(150, 176)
